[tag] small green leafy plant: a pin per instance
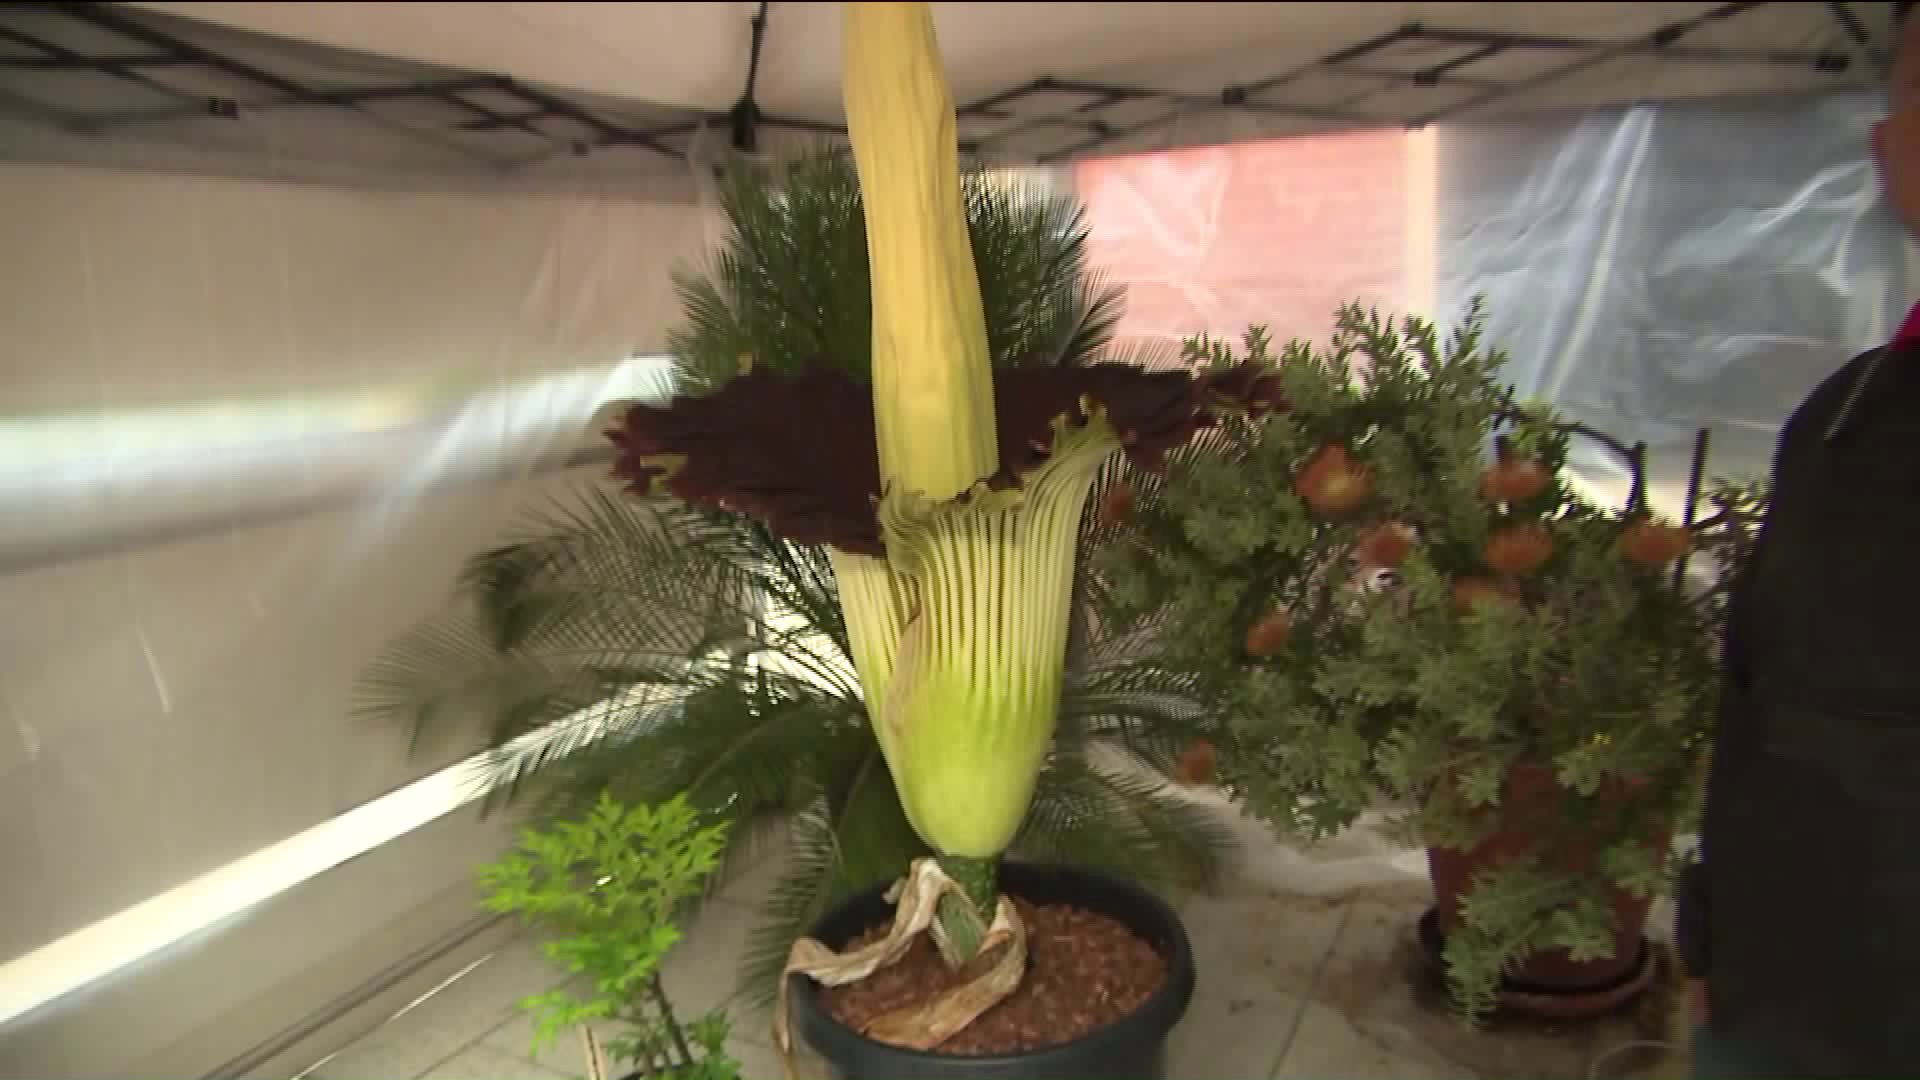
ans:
(608, 888)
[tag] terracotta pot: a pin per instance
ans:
(1532, 798)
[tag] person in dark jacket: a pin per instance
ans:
(1800, 923)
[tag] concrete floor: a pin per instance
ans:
(1304, 969)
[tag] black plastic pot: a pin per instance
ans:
(1129, 1049)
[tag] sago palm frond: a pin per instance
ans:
(789, 290)
(853, 835)
(760, 731)
(645, 569)
(1093, 814)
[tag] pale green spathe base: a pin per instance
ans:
(975, 689)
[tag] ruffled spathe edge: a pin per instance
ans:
(797, 451)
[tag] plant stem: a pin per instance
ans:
(659, 991)
(965, 922)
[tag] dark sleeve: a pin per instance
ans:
(1732, 722)
(1690, 919)
(1819, 418)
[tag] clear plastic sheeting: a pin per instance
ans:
(1659, 269)
(1650, 270)
(249, 430)
(1279, 233)
(197, 366)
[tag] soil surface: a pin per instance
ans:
(1084, 971)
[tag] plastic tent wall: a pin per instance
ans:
(1650, 270)
(255, 411)
(1654, 270)
(262, 395)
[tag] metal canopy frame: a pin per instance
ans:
(151, 44)
(160, 47)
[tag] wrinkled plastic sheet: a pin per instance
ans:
(1659, 270)
(249, 430)
(1650, 271)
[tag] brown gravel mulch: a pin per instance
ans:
(1084, 971)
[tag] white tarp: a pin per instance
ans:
(248, 431)
(1306, 66)
(696, 55)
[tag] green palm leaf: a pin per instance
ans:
(1090, 814)
(853, 836)
(789, 287)
(753, 743)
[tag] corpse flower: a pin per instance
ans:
(949, 494)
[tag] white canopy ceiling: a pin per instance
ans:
(1036, 81)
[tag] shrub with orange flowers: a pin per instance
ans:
(1393, 594)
